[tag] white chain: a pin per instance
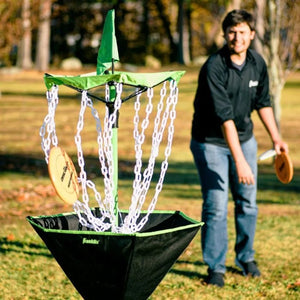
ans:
(105, 157)
(141, 187)
(139, 140)
(165, 113)
(80, 207)
(169, 112)
(49, 123)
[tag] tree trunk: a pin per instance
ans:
(275, 67)
(167, 26)
(233, 4)
(145, 28)
(260, 28)
(184, 34)
(280, 18)
(43, 39)
(24, 53)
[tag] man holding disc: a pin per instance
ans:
(232, 83)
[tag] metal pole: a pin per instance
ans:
(114, 142)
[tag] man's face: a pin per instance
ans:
(239, 37)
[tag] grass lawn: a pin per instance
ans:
(28, 270)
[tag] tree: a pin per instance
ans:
(166, 22)
(277, 30)
(233, 4)
(24, 52)
(43, 38)
(184, 32)
(259, 12)
(10, 31)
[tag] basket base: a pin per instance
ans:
(116, 266)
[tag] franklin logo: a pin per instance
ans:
(253, 83)
(91, 241)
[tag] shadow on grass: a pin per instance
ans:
(72, 97)
(292, 84)
(268, 183)
(24, 164)
(187, 273)
(7, 246)
(179, 178)
(177, 173)
(192, 274)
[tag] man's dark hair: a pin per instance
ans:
(236, 17)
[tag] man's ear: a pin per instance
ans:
(252, 34)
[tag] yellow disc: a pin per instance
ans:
(63, 175)
(284, 167)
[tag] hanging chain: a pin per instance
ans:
(169, 112)
(139, 140)
(142, 183)
(105, 153)
(165, 113)
(49, 123)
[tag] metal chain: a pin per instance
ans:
(165, 112)
(171, 104)
(49, 123)
(141, 187)
(139, 140)
(110, 120)
(105, 157)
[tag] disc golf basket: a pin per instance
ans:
(108, 253)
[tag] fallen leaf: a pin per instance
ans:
(10, 237)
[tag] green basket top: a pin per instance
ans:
(86, 82)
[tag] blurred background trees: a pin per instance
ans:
(42, 33)
(172, 31)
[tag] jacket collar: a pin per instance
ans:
(224, 52)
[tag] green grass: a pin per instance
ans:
(28, 271)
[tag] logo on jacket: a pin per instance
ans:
(253, 83)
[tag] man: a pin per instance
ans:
(232, 83)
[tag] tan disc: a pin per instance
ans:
(284, 167)
(63, 175)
